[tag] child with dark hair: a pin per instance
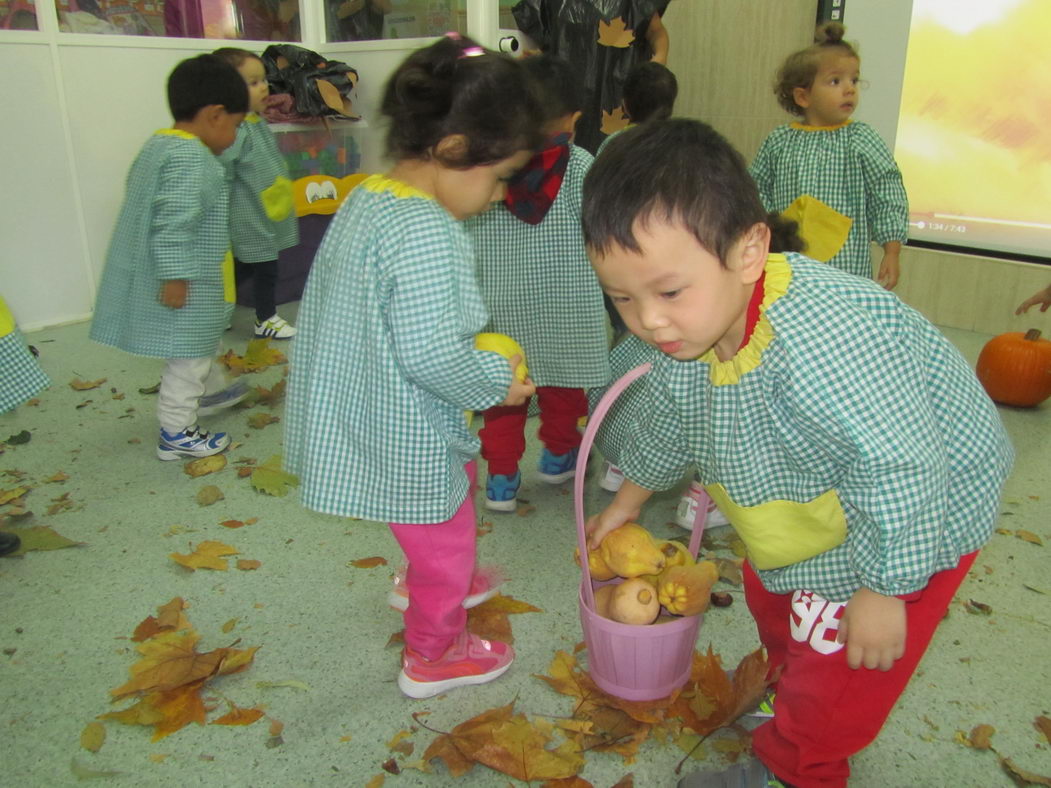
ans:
(861, 505)
(650, 90)
(539, 288)
(384, 363)
(168, 286)
(262, 219)
(834, 174)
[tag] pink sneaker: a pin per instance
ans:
(687, 509)
(469, 660)
(484, 586)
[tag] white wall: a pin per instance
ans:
(880, 28)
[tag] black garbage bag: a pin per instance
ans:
(321, 87)
(602, 56)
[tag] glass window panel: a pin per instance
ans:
(17, 15)
(259, 20)
(365, 20)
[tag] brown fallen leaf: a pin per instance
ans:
(169, 618)
(369, 563)
(232, 523)
(229, 625)
(1021, 776)
(248, 564)
(170, 660)
(207, 555)
(208, 495)
(12, 495)
(58, 477)
(205, 465)
(39, 537)
(83, 385)
(377, 781)
(239, 716)
(93, 736)
(1029, 536)
(259, 420)
(1043, 724)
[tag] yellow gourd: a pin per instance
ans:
(603, 595)
(676, 554)
(631, 551)
(634, 602)
(599, 570)
(506, 347)
(686, 590)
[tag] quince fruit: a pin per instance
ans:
(631, 551)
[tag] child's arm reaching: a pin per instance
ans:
(886, 202)
(873, 627)
(1043, 297)
(624, 507)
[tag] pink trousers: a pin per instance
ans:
(441, 559)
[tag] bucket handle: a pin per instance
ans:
(594, 420)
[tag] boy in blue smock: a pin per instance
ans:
(167, 290)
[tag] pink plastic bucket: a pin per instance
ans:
(627, 660)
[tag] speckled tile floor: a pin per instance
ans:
(67, 614)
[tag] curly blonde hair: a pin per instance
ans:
(800, 68)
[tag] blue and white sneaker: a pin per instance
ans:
(191, 442)
(227, 398)
(557, 468)
(501, 492)
(275, 327)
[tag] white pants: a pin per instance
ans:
(183, 382)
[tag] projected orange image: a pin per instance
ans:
(974, 134)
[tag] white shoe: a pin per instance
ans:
(275, 327)
(686, 512)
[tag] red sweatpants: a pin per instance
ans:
(503, 436)
(825, 712)
(441, 564)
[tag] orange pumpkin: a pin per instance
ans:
(1015, 368)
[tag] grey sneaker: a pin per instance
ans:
(227, 398)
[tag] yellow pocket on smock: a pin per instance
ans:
(277, 199)
(7, 320)
(824, 229)
(779, 533)
(229, 286)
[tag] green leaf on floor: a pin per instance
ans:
(269, 478)
(19, 438)
(40, 537)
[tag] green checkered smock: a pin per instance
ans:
(539, 287)
(384, 366)
(841, 387)
(172, 225)
(21, 377)
(262, 217)
(849, 168)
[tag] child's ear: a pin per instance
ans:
(754, 249)
(801, 96)
(211, 113)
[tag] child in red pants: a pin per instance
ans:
(846, 440)
(536, 282)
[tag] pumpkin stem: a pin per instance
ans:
(1032, 334)
(644, 596)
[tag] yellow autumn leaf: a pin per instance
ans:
(83, 385)
(207, 555)
(93, 736)
(205, 465)
(238, 716)
(615, 33)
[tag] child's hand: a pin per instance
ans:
(1043, 298)
(890, 268)
(521, 390)
(625, 507)
(173, 293)
(873, 627)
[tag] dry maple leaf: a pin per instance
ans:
(170, 660)
(712, 700)
(1021, 776)
(207, 555)
(271, 397)
(369, 563)
(239, 716)
(615, 33)
(83, 385)
(259, 420)
(205, 465)
(489, 619)
(614, 121)
(93, 736)
(269, 478)
(169, 618)
(258, 356)
(12, 495)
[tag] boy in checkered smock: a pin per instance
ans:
(834, 175)
(540, 290)
(861, 504)
(384, 363)
(262, 219)
(167, 289)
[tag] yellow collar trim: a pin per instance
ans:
(382, 183)
(252, 117)
(775, 285)
(805, 127)
(179, 133)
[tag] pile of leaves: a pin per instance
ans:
(168, 680)
(545, 748)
